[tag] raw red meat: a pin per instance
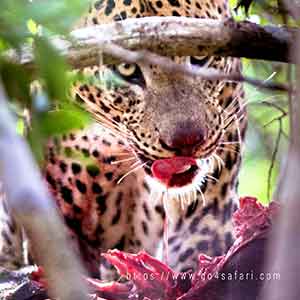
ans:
(217, 278)
(220, 277)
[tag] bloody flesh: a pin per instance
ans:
(148, 278)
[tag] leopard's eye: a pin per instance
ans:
(200, 61)
(126, 69)
(131, 73)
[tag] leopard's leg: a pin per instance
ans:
(12, 238)
(103, 207)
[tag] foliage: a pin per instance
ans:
(32, 23)
(262, 131)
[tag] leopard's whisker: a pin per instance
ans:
(212, 177)
(240, 107)
(114, 130)
(190, 200)
(155, 196)
(158, 199)
(218, 163)
(230, 117)
(194, 194)
(238, 130)
(219, 160)
(122, 160)
(131, 171)
(230, 143)
(101, 118)
(227, 148)
(233, 148)
(202, 195)
(186, 198)
(182, 202)
(93, 109)
(211, 166)
(232, 103)
(120, 153)
(117, 124)
(236, 120)
(134, 147)
(228, 120)
(231, 121)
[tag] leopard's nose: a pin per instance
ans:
(185, 138)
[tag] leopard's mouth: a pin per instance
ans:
(175, 172)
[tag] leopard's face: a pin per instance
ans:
(174, 123)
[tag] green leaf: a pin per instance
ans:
(16, 81)
(62, 121)
(52, 69)
(56, 15)
(20, 127)
(32, 26)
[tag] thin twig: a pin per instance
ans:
(274, 105)
(277, 107)
(278, 118)
(168, 65)
(273, 159)
(277, 141)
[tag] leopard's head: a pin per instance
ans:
(174, 123)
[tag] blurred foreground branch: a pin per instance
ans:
(35, 211)
(285, 245)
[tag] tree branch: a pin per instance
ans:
(173, 36)
(170, 66)
(35, 211)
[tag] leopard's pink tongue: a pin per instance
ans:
(164, 169)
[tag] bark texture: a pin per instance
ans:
(170, 36)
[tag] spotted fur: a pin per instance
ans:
(144, 116)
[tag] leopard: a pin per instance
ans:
(158, 169)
